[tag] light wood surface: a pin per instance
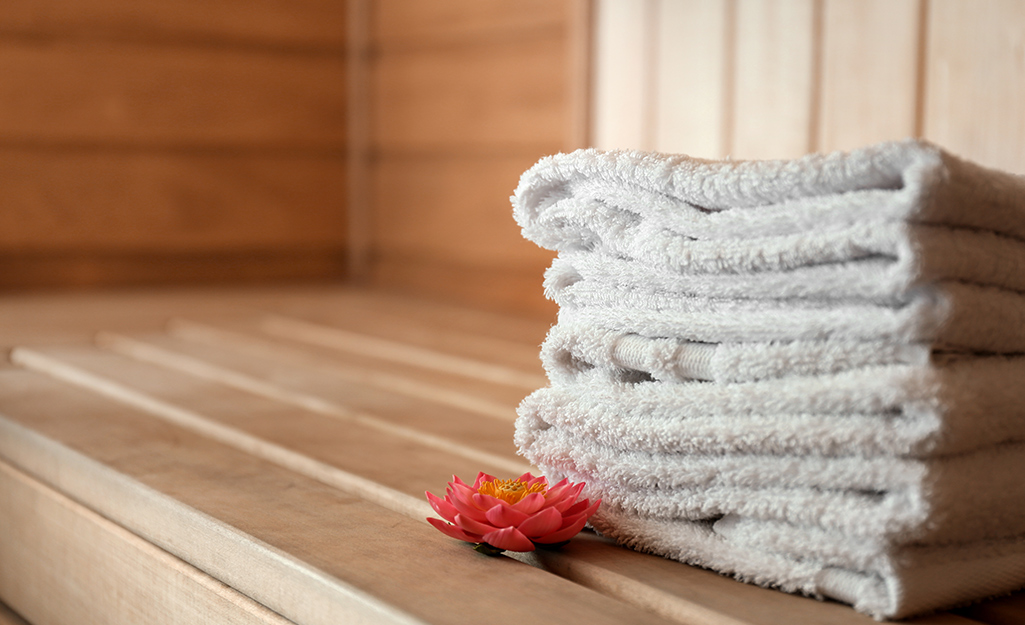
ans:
(790, 77)
(330, 556)
(304, 491)
(869, 61)
(67, 564)
(774, 78)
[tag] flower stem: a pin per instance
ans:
(487, 549)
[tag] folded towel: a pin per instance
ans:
(882, 580)
(779, 369)
(906, 410)
(947, 498)
(953, 315)
(572, 348)
(799, 218)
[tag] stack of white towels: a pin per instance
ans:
(807, 374)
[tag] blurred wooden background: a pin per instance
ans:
(781, 78)
(377, 141)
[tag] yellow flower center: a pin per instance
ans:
(510, 491)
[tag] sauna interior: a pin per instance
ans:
(224, 222)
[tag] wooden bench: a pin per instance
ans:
(260, 456)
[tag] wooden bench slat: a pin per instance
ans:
(51, 540)
(599, 566)
(419, 381)
(319, 388)
(298, 546)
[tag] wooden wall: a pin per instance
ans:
(148, 142)
(780, 78)
(462, 96)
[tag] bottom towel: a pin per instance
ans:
(884, 582)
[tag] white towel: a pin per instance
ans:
(803, 219)
(572, 348)
(882, 580)
(900, 410)
(956, 316)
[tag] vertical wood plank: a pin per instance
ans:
(869, 66)
(774, 78)
(624, 58)
(691, 77)
(975, 80)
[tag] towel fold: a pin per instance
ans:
(695, 216)
(901, 410)
(880, 580)
(572, 348)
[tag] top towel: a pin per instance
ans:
(909, 206)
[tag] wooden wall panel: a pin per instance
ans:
(493, 97)
(691, 113)
(128, 93)
(167, 201)
(780, 78)
(773, 78)
(869, 67)
(300, 23)
(414, 24)
(465, 96)
(623, 90)
(146, 142)
(975, 80)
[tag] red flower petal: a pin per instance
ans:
(486, 502)
(504, 515)
(564, 534)
(576, 508)
(454, 531)
(442, 507)
(472, 526)
(509, 538)
(584, 514)
(544, 522)
(468, 509)
(481, 478)
(530, 504)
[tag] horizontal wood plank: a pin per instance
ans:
(410, 24)
(111, 269)
(304, 23)
(499, 288)
(505, 97)
(62, 563)
(65, 201)
(109, 93)
(337, 557)
(453, 209)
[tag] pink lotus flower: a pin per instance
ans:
(512, 515)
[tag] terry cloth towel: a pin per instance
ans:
(877, 222)
(899, 410)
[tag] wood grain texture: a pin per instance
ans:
(285, 534)
(694, 52)
(336, 556)
(452, 209)
(975, 80)
(62, 563)
(500, 97)
(510, 289)
(869, 72)
(409, 24)
(153, 202)
(624, 77)
(773, 79)
(105, 270)
(61, 93)
(304, 24)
